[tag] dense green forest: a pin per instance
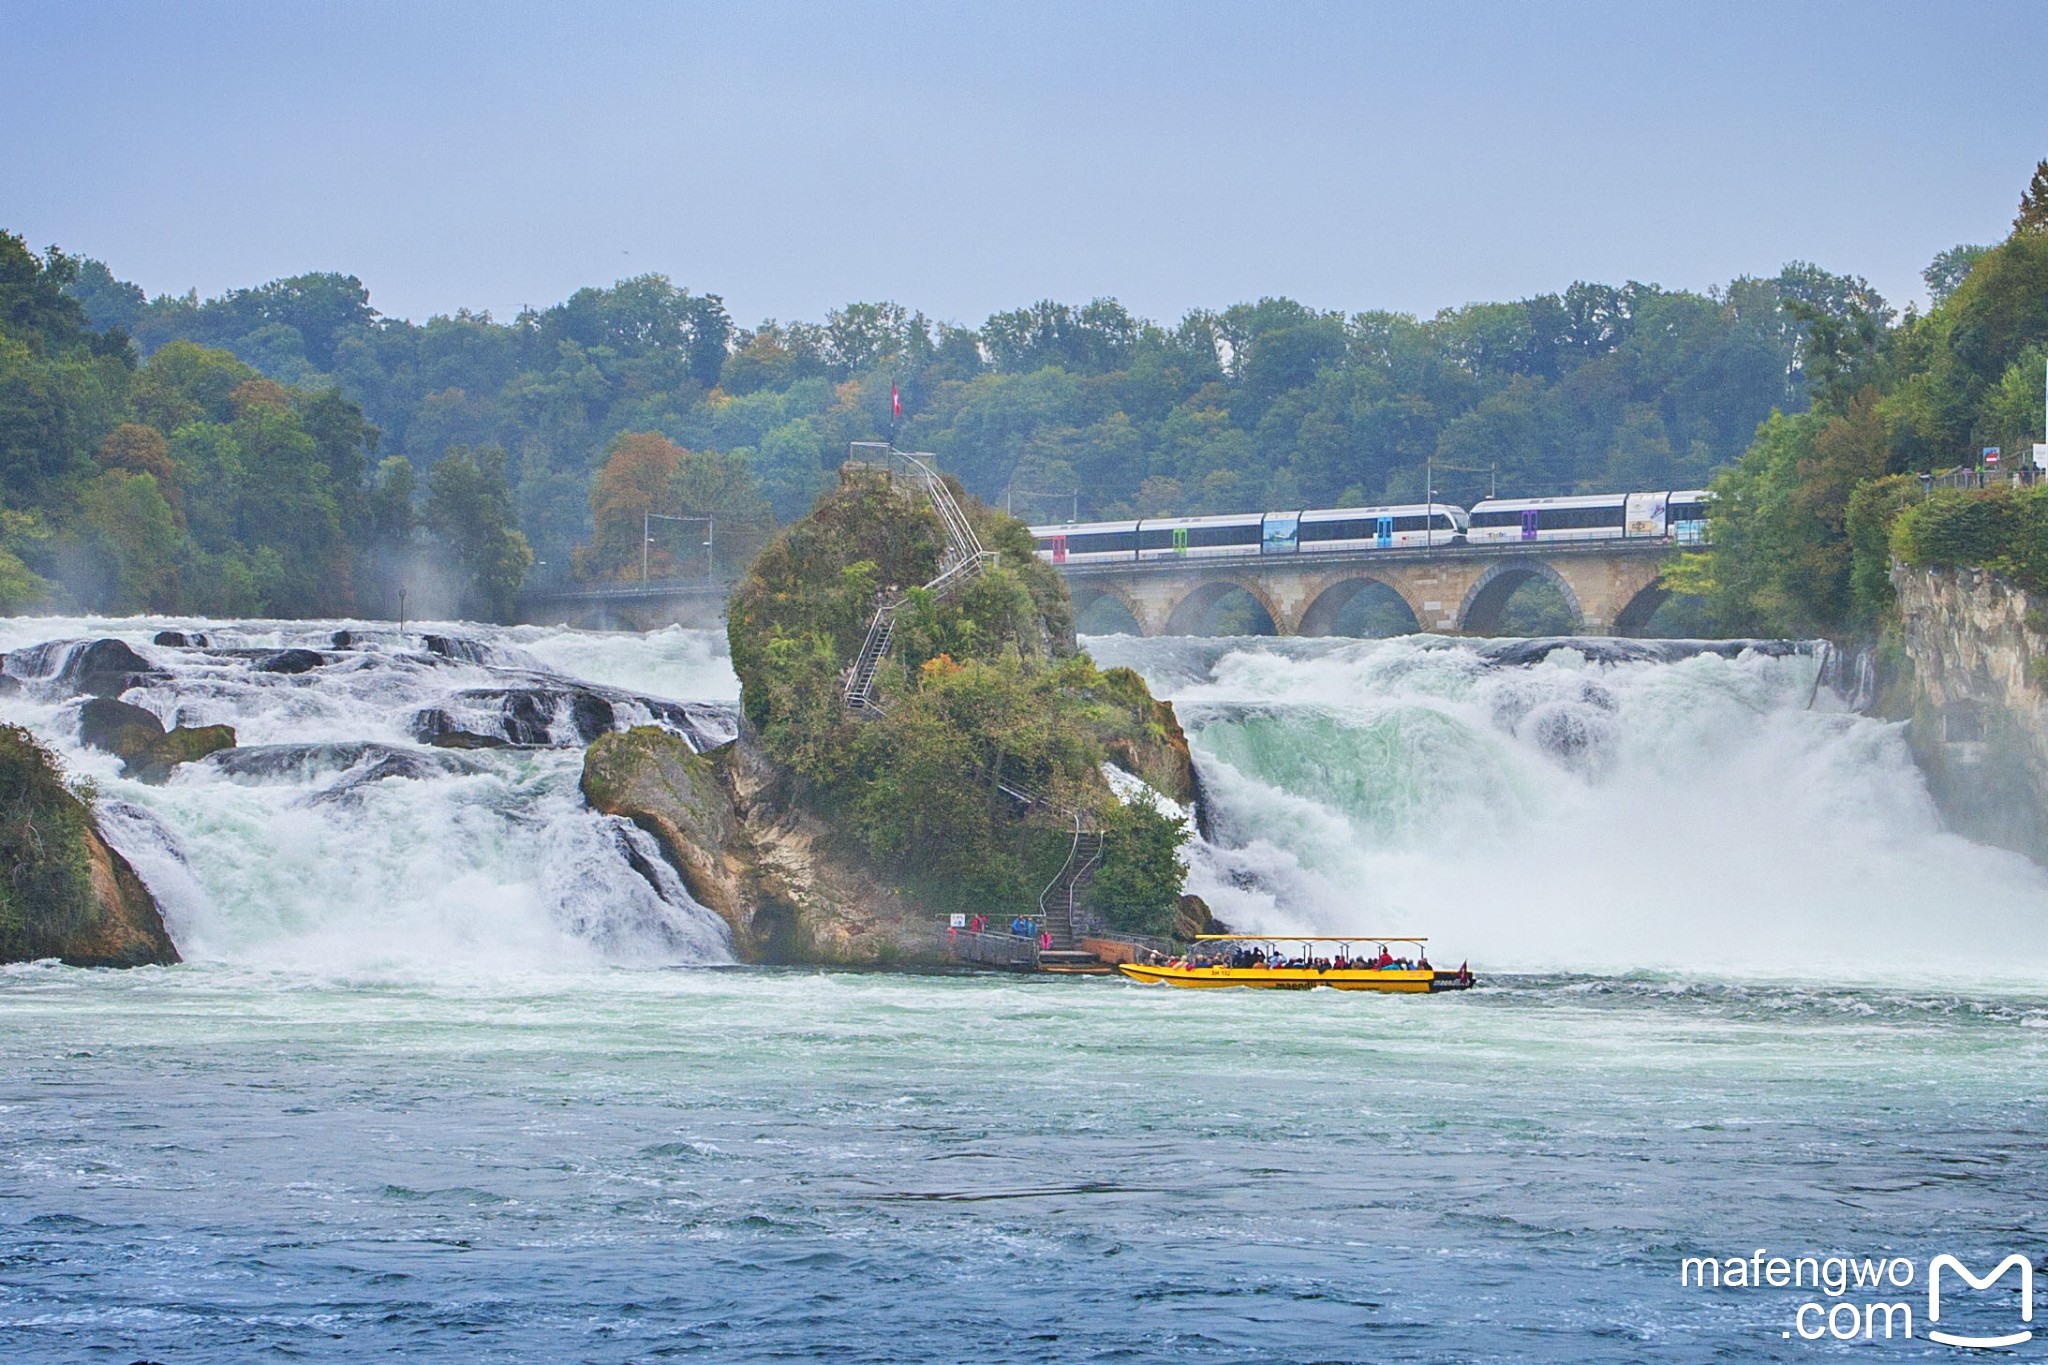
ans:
(305, 454)
(193, 482)
(1808, 521)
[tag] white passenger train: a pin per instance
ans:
(1679, 516)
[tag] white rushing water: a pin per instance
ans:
(1527, 810)
(1679, 813)
(333, 841)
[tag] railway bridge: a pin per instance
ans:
(1610, 586)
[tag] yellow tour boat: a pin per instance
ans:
(1257, 961)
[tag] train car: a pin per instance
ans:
(1405, 527)
(1679, 515)
(1499, 521)
(1409, 526)
(1686, 516)
(1200, 537)
(1088, 542)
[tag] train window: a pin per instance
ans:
(1102, 542)
(1688, 511)
(1579, 518)
(1246, 533)
(1506, 516)
(1156, 538)
(1355, 529)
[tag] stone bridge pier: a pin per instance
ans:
(1612, 589)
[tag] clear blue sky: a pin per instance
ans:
(964, 158)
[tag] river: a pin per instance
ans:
(449, 1075)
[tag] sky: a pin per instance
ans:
(962, 159)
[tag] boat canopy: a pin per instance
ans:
(1308, 938)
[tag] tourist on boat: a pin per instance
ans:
(1385, 960)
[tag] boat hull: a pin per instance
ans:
(1392, 982)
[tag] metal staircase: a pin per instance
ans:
(960, 563)
(1056, 902)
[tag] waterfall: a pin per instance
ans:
(1589, 805)
(1544, 805)
(335, 839)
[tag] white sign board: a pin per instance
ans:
(959, 921)
(2040, 455)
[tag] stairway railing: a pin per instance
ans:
(1056, 902)
(963, 561)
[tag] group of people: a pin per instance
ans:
(1255, 956)
(1022, 926)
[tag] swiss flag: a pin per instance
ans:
(895, 399)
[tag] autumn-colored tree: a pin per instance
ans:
(648, 473)
(143, 450)
(633, 483)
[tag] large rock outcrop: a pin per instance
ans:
(1975, 687)
(752, 856)
(66, 894)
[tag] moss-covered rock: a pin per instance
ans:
(146, 750)
(66, 894)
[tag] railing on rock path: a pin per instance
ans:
(993, 949)
(961, 563)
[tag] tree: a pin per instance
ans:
(1947, 271)
(633, 483)
(33, 303)
(143, 450)
(390, 503)
(468, 510)
(136, 540)
(2033, 216)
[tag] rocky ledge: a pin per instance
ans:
(747, 853)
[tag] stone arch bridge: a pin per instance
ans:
(1611, 586)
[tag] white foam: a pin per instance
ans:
(1689, 815)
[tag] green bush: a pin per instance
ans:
(2001, 530)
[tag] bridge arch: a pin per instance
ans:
(1107, 604)
(1191, 613)
(1322, 614)
(1634, 617)
(1480, 612)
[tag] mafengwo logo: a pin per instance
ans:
(2013, 1262)
(1860, 1298)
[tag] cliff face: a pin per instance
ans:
(1977, 702)
(128, 930)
